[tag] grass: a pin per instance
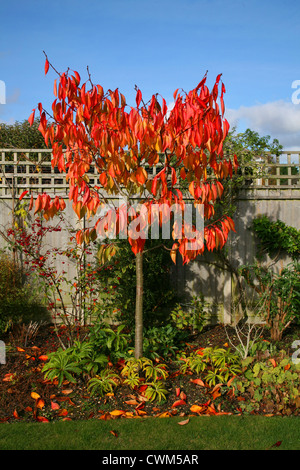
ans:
(200, 433)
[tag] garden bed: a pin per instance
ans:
(26, 395)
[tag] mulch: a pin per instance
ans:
(26, 396)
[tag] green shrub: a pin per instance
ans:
(273, 381)
(194, 316)
(213, 365)
(163, 341)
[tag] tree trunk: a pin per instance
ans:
(138, 351)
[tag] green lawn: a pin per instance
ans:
(200, 433)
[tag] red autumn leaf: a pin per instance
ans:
(8, 377)
(46, 66)
(22, 195)
(138, 98)
(43, 358)
(15, 414)
(198, 382)
(114, 433)
(273, 362)
(177, 391)
(54, 406)
(42, 419)
(63, 412)
(31, 117)
(178, 403)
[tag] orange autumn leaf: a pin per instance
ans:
(43, 358)
(20, 349)
(198, 382)
(196, 409)
(166, 414)
(15, 414)
(40, 403)
(273, 362)
(35, 395)
(114, 433)
(8, 377)
(106, 416)
(63, 412)
(117, 412)
(140, 412)
(67, 391)
(131, 402)
(182, 423)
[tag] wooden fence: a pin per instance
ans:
(275, 193)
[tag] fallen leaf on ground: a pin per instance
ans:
(198, 382)
(178, 403)
(40, 403)
(182, 423)
(54, 406)
(114, 433)
(131, 402)
(35, 395)
(43, 358)
(196, 409)
(41, 419)
(117, 412)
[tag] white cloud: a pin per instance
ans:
(279, 119)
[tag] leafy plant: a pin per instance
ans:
(163, 341)
(273, 381)
(61, 366)
(194, 316)
(216, 364)
(102, 383)
(110, 341)
(156, 391)
(277, 236)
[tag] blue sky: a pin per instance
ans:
(159, 46)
